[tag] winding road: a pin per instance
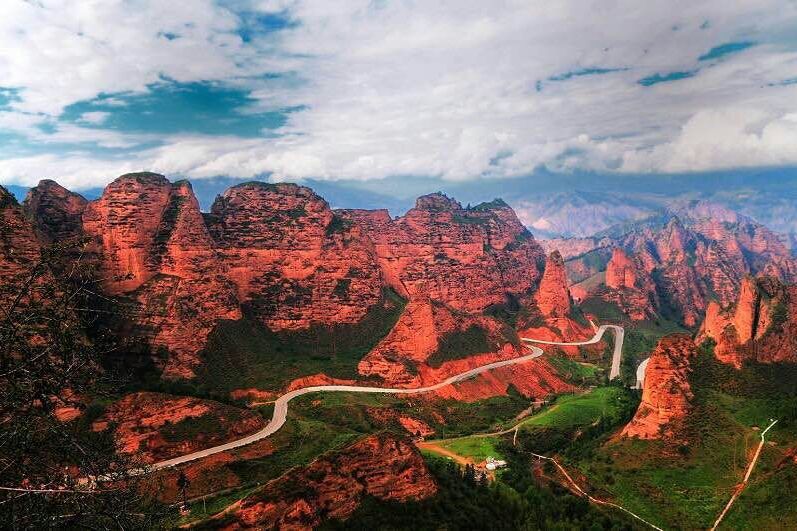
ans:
(619, 335)
(280, 413)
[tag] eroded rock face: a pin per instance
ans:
(698, 253)
(157, 426)
(761, 326)
(468, 258)
(19, 247)
(402, 357)
(629, 286)
(293, 260)
(155, 252)
(553, 297)
(55, 211)
(381, 466)
(666, 393)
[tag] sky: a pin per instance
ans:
(382, 91)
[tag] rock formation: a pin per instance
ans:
(332, 486)
(693, 254)
(294, 261)
(629, 287)
(666, 393)
(55, 211)
(468, 258)
(761, 326)
(553, 297)
(157, 426)
(19, 247)
(279, 254)
(154, 250)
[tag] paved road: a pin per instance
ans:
(280, 414)
(640, 373)
(619, 335)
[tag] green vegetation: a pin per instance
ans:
(477, 448)
(686, 483)
(461, 344)
(579, 410)
(244, 353)
(605, 311)
(465, 503)
(192, 428)
(574, 371)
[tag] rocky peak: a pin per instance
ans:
(55, 211)
(553, 297)
(620, 271)
(19, 247)
(269, 216)
(761, 325)
(666, 393)
(437, 202)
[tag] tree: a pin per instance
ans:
(53, 473)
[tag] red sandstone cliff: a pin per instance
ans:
(55, 211)
(154, 250)
(629, 286)
(381, 466)
(157, 426)
(19, 247)
(666, 393)
(293, 260)
(760, 326)
(279, 253)
(553, 297)
(468, 258)
(699, 252)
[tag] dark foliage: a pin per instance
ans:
(49, 467)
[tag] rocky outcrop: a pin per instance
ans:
(293, 260)
(279, 254)
(155, 252)
(666, 393)
(691, 255)
(156, 426)
(19, 247)
(468, 258)
(629, 287)
(55, 211)
(422, 337)
(553, 297)
(380, 466)
(761, 326)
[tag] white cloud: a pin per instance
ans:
(418, 88)
(94, 117)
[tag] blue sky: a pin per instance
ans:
(365, 90)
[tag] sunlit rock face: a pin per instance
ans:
(468, 258)
(761, 326)
(666, 393)
(293, 260)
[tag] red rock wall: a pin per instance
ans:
(666, 393)
(381, 466)
(468, 258)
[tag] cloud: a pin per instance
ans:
(94, 117)
(373, 90)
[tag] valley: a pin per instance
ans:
(291, 361)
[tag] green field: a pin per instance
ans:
(477, 448)
(578, 410)
(574, 371)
